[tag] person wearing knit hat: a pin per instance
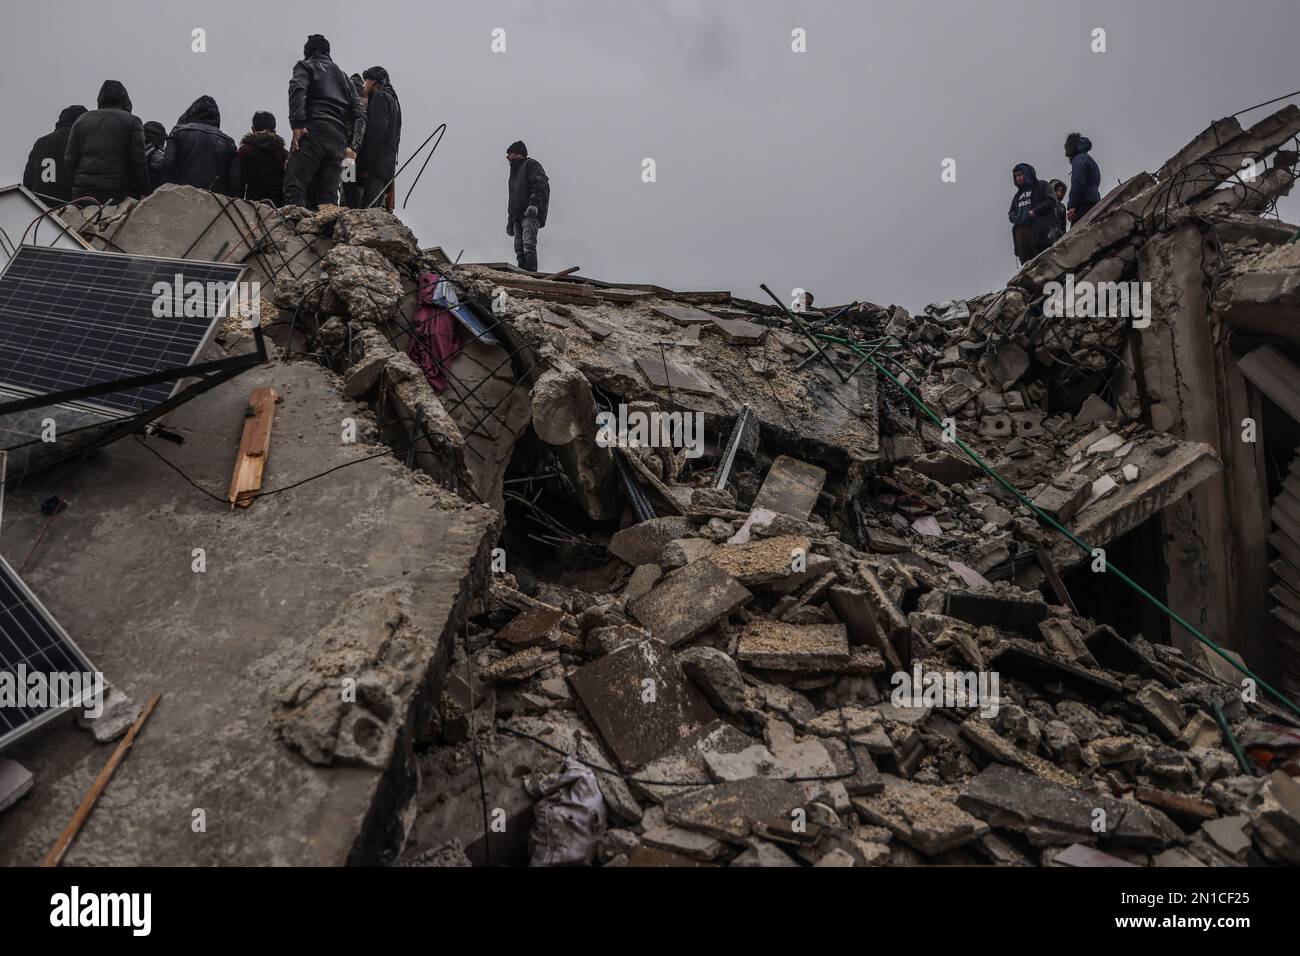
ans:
(377, 157)
(528, 198)
(328, 122)
(262, 155)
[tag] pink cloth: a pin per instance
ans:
(434, 340)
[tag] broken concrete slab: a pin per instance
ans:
(15, 782)
(762, 560)
(640, 701)
(728, 811)
(811, 648)
(922, 816)
(689, 601)
(791, 487)
(643, 542)
(1047, 813)
(1013, 611)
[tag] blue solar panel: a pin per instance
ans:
(35, 653)
(69, 319)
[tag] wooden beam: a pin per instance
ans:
(92, 795)
(1054, 578)
(253, 446)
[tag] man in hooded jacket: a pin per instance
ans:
(46, 173)
(1085, 177)
(1032, 213)
(377, 158)
(155, 150)
(261, 161)
(529, 196)
(199, 154)
(105, 156)
(329, 123)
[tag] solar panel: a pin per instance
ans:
(70, 319)
(35, 652)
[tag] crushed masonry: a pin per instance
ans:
(715, 622)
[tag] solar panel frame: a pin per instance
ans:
(16, 595)
(110, 404)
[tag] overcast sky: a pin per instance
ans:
(818, 169)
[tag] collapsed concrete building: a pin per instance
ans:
(1012, 581)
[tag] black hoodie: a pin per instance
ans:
(105, 156)
(262, 156)
(52, 146)
(1034, 196)
(199, 154)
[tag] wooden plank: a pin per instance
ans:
(92, 795)
(250, 464)
(1275, 375)
(582, 291)
(1054, 578)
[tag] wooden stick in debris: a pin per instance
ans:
(563, 272)
(92, 795)
(253, 446)
(1054, 578)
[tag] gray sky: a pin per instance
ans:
(819, 169)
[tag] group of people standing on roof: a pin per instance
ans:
(1041, 211)
(346, 136)
(346, 131)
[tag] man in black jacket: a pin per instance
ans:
(1032, 213)
(322, 106)
(261, 161)
(528, 199)
(350, 188)
(155, 150)
(46, 173)
(377, 158)
(105, 156)
(199, 154)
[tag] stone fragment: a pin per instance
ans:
(635, 725)
(762, 560)
(729, 810)
(716, 675)
(775, 645)
(1047, 813)
(688, 601)
(924, 817)
(642, 542)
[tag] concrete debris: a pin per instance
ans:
(768, 644)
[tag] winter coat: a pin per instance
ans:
(528, 186)
(321, 92)
(1034, 196)
(377, 157)
(155, 151)
(1085, 177)
(199, 154)
(105, 156)
(262, 156)
(52, 146)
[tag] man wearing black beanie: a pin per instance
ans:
(261, 160)
(529, 195)
(324, 110)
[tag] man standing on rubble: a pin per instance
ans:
(1032, 213)
(105, 157)
(323, 106)
(262, 157)
(198, 154)
(1085, 177)
(529, 195)
(377, 158)
(155, 151)
(46, 173)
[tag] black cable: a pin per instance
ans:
(1265, 103)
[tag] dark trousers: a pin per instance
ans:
(373, 187)
(311, 176)
(1023, 239)
(1080, 211)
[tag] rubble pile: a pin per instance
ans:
(808, 628)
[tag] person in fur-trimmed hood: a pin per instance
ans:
(262, 155)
